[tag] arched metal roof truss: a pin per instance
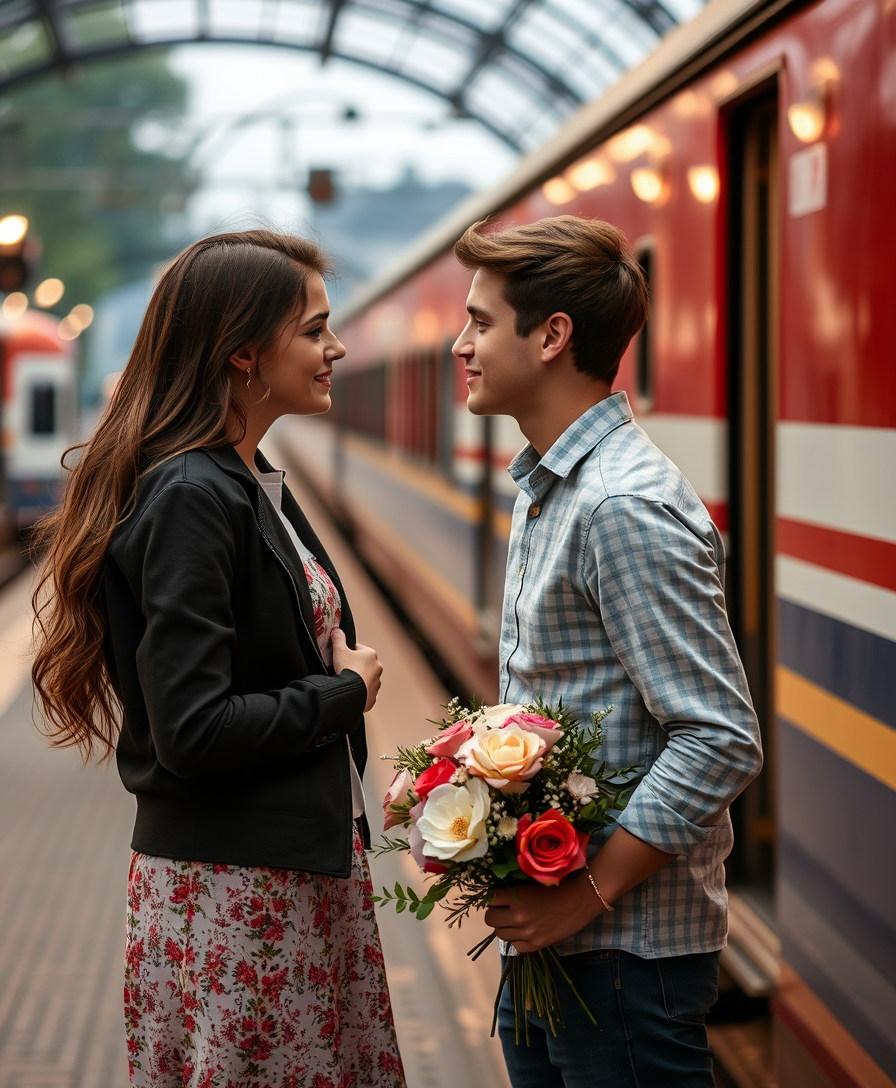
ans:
(516, 66)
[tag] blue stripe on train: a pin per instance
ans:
(853, 664)
(837, 887)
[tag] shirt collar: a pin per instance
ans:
(536, 475)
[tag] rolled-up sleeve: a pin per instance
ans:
(657, 587)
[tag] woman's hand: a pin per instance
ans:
(362, 660)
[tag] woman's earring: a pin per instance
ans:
(249, 382)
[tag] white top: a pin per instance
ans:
(325, 598)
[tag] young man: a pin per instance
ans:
(614, 596)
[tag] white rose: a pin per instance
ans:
(581, 787)
(453, 822)
(493, 717)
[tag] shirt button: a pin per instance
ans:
(534, 510)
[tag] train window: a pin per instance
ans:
(644, 342)
(43, 408)
(445, 444)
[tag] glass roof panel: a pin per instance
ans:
(15, 12)
(236, 18)
(500, 98)
(591, 72)
(518, 66)
(298, 22)
(435, 62)
(487, 15)
(682, 10)
(361, 35)
(162, 20)
(22, 48)
(595, 16)
(98, 26)
(550, 41)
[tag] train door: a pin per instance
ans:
(753, 248)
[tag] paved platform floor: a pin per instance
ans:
(64, 834)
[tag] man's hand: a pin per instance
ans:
(533, 916)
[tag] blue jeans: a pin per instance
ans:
(649, 1031)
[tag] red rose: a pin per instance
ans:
(436, 775)
(550, 847)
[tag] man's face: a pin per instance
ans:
(501, 367)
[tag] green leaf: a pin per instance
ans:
(502, 869)
(436, 893)
(400, 905)
(424, 910)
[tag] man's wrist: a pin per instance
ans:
(605, 906)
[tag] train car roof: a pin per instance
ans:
(32, 330)
(684, 52)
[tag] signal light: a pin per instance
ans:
(13, 267)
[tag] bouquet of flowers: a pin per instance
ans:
(502, 795)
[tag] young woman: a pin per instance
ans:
(189, 620)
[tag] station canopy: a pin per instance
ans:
(516, 66)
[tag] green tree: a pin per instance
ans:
(101, 206)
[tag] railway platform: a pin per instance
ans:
(64, 835)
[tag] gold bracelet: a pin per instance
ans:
(606, 905)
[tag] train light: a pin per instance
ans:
(425, 329)
(724, 84)
(13, 229)
(15, 305)
(806, 119)
(48, 292)
(631, 143)
(82, 314)
(558, 191)
(809, 118)
(590, 173)
(704, 183)
(649, 184)
(68, 328)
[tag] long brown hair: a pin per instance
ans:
(222, 294)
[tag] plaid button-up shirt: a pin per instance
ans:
(614, 596)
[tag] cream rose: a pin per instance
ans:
(493, 717)
(452, 822)
(505, 757)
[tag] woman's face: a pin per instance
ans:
(297, 367)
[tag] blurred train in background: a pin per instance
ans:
(750, 161)
(38, 416)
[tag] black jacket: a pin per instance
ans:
(233, 735)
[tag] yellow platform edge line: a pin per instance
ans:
(864, 741)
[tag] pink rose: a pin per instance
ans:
(450, 739)
(415, 841)
(549, 848)
(436, 775)
(549, 731)
(398, 794)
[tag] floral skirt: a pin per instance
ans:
(255, 978)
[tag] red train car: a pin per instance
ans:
(751, 163)
(38, 412)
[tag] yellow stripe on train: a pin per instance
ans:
(854, 735)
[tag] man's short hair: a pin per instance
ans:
(580, 267)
